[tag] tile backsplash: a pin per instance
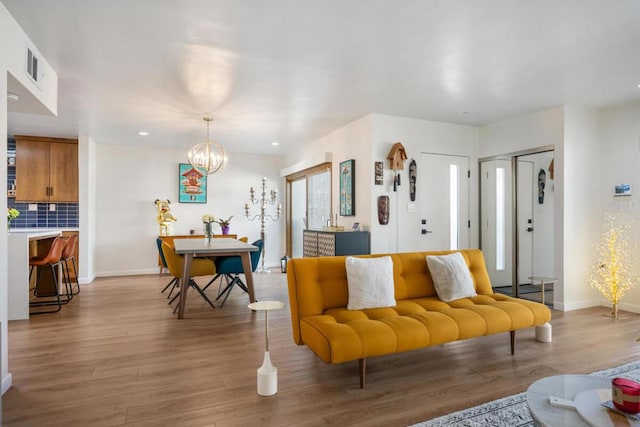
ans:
(65, 215)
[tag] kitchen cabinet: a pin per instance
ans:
(46, 169)
(331, 243)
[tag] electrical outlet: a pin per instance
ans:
(411, 207)
(33, 207)
(52, 207)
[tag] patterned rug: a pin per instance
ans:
(512, 411)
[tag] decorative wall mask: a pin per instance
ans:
(413, 178)
(542, 177)
(383, 210)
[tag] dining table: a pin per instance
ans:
(190, 248)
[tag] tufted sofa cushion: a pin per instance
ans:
(318, 296)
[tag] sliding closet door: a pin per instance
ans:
(496, 213)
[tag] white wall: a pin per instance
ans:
(582, 203)
(129, 179)
(87, 197)
(352, 141)
(417, 136)
(369, 139)
(5, 377)
(12, 60)
(621, 159)
(526, 132)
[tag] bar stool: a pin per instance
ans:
(52, 259)
(68, 254)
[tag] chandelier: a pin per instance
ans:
(207, 156)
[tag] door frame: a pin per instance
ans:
(513, 156)
(296, 176)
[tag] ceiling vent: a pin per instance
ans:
(32, 65)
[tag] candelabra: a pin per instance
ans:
(263, 201)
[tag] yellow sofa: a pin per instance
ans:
(318, 296)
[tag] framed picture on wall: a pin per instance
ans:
(347, 188)
(378, 174)
(192, 185)
(622, 190)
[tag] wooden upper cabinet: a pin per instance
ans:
(46, 169)
(63, 178)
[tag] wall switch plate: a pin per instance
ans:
(33, 207)
(52, 207)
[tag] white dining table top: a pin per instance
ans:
(212, 246)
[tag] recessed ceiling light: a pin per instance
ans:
(143, 133)
(274, 143)
(12, 96)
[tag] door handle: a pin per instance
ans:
(530, 229)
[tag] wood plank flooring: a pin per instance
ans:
(116, 355)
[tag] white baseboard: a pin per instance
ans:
(6, 383)
(86, 280)
(127, 272)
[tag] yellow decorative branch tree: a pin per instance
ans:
(611, 273)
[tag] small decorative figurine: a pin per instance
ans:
(164, 218)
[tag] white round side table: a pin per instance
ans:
(267, 373)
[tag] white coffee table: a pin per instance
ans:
(588, 392)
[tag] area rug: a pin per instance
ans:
(512, 411)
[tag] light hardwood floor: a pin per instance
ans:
(116, 355)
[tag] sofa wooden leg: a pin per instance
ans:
(513, 342)
(362, 364)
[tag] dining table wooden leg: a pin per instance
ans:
(184, 284)
(248, 274)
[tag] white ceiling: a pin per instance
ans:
(294, 70)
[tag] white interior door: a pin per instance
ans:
(526, 226)
(444, 191)
(496, 214)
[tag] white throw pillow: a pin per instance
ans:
(451, 276)
(370, 282)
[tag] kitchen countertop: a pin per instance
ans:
(21, 242)
(42, 229)
(36, 233)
